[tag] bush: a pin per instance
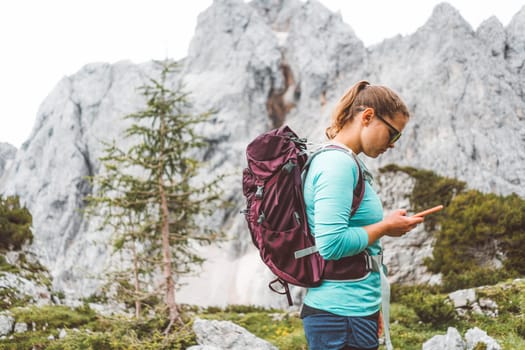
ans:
(478, 232)
(431, 308)
(400, 292)
(178, 340)
(15, 224)
(473, 277)
(55, 317)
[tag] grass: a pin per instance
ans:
(417, 314)
(88, 330)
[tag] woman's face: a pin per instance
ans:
(381, 133)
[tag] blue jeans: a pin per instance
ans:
(332, 332)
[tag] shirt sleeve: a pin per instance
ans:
(335, 176)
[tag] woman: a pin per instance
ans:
(345, 314)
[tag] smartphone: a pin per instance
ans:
(429, 211)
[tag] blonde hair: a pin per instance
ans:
(384, 101)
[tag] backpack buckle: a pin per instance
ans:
(289, 166)
(259, 192)
(374, 262)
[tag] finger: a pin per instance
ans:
(416, 220)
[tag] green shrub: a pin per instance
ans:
(434, 309)
(15, 224)
(473, 277)
(475, 234)
(55, 317)
(84, 341)
(178, 340)
(477, 230)
(399, 292)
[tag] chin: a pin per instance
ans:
(372, 155)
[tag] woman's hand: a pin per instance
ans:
(397, 223)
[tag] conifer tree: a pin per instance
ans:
(148, 194)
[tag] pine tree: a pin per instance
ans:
(149, 196)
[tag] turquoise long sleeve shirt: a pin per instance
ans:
(328, 193)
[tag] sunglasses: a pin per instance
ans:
(394, 134)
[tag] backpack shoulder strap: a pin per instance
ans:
(359, 190)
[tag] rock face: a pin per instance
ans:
(50, 169)
(404, 256)
(261, 64)
(7, 155)
(29, 282)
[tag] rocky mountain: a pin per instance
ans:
(7, 155)
(261, 64)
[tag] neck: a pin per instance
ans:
(348, 140)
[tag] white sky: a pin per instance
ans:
(41, 41)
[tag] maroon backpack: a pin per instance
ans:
(276, 215)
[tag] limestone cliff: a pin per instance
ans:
(261, 64)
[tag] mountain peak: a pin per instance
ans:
(446, 17)
(515, 53)
(518, 21)
(492, 33)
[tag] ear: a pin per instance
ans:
(367, 115)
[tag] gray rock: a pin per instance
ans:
(62, 334)
(450, 341)
(476, 335)
(21, 327)
(489, 307)
(476, 309)
(7, 155)
(463, 298)
(6, 324)
(23, 288)
(453, 341)
(492, 33)
(515, 51)
(404, 256)
(226, 335)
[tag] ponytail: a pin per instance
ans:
(361, 95)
